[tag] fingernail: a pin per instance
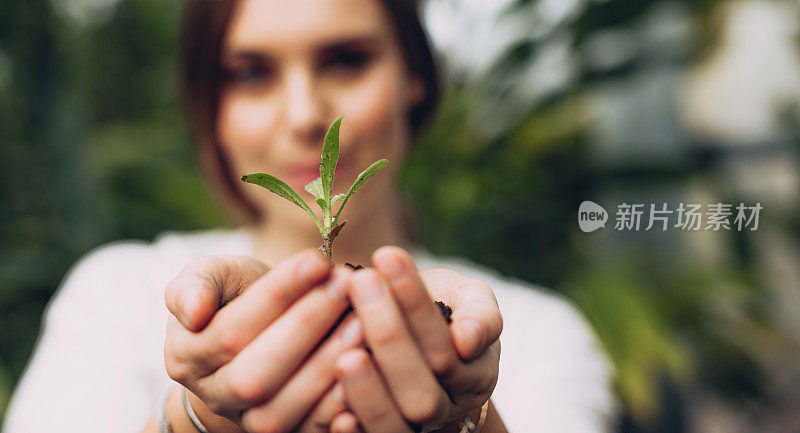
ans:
(471, 334)
(189, 303)
(393, 269)
(311, 269)
(357, 375)
(353, 334)
(337, 285)
(369, 289)
(353, 368)
(184, 321)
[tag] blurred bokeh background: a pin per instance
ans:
(549, 103)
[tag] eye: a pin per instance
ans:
(347, 61)
(248, 75)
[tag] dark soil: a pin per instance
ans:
(446, 311)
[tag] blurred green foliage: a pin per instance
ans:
(92, 105)
(93, 149)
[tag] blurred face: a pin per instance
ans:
(291, 68)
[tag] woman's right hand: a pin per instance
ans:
(239, 330)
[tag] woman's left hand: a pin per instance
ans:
(423, 372)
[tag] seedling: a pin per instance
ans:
(321, 188)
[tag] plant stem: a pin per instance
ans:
(327, 248)
(327, 241)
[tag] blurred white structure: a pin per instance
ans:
(473, 35)
(741, 93)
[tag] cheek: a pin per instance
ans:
(245, 125)
(376, 109)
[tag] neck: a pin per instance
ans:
(275, 241)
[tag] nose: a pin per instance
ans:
(304, 107)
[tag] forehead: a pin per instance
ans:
(299, 24)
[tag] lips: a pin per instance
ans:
(298, 176)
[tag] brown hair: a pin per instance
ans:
(203, 30)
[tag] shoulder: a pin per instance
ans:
(168, 246)
(166, 249)
(204, 242)
(92, 277)
(137, 270)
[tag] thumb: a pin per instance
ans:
(205, 284)
(477, 322)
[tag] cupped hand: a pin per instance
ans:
(245, 340)
(423, 374)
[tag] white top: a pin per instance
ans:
(98, 365)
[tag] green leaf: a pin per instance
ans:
(315, 188)
(360, 181)
(336, 197)
(321, 203)
(280, 188)
(330, 156)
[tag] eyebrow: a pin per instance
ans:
(354, 42)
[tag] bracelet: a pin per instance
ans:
(190, 412)
(467, 426)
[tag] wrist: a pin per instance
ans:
(457, 425)
(181, 423)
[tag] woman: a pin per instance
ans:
(262, 80)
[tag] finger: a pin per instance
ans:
(418, 394)
(422, 316)
(178, 369)
(320, 420)
(301, 392)
(234, 326)
(272, 294)
(207, 282)
(430, 331)
(258, 371)
(477, 322)
(367, 395)
(345, 422)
